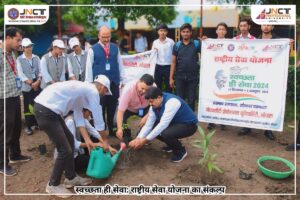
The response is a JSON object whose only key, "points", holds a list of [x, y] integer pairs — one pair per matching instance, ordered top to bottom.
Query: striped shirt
{"points": [[9, 76]]}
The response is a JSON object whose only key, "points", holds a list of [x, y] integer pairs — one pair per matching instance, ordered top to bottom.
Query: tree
{"points": [[154, 15]]}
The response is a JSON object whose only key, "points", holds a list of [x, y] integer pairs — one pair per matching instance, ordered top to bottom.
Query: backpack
{"points": [[178, 44]]}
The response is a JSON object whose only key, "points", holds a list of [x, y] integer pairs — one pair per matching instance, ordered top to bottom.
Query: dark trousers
{"points": [[161, 75], [187, 89], [28, 99], [109, 106], [128, 114], [13, 126], [57, 131], [174, 132], [81, 162]]}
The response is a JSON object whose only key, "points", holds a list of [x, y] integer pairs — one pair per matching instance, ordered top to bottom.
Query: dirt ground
{"points": [[151, 166]]}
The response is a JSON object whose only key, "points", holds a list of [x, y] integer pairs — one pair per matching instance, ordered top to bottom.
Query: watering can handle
{"points": [[92, 159]]}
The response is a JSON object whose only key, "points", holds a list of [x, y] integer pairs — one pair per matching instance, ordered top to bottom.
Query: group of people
{"points": [[95, 90]]}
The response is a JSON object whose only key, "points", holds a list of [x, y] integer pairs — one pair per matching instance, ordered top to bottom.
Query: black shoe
{"points": [[211, 126], [222, 127], [28, 130], [244, 131], [269, 134], [292, 147], [167, 149], [180, 156], [20, 158], [9, 171]]}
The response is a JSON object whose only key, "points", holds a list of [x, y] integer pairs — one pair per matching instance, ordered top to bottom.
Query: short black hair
{"points": [[245, 20], [222, 24], [186, 25], [162, 26], [12, 31], [147, 79], [153, 93], [85, 109]]}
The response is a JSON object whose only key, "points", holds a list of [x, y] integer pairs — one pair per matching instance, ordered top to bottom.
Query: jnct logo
{"points": [[33, 12], [13, 13], [275, 13], [215, 47], [272, 48]]}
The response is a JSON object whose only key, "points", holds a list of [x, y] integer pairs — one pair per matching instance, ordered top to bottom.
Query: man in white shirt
{"points": [[164, 47], [56, 101], [170, 119]]}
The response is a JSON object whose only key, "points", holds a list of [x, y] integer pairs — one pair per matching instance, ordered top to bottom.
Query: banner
{"points": [[135, 66], [243, 82]]}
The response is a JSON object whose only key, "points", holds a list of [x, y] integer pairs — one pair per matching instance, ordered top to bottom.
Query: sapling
{"points": [[208, 159]]}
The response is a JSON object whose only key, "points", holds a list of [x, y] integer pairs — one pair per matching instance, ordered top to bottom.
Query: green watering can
{"points": [[101, 163]]}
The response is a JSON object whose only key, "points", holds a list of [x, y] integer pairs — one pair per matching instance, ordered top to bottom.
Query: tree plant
{"points": [[208, 159]]}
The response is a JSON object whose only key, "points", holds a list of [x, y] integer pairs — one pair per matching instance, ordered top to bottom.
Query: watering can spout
{"points": [[116, 157]]}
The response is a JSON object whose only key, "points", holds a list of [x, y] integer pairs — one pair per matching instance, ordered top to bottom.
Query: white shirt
{"points": [[140, 44], [164, 51], [78, 58], [90, 62], [20, 69], [44, 71], [62, 97], [171, 108], [72, 127]]}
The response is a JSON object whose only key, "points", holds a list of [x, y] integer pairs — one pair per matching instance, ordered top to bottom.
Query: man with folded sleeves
{"points": [[56, 101], [170, 119]]}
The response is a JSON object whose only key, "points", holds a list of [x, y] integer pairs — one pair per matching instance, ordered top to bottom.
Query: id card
{"points": [[107, 66], [33, 76], [18, 83], [141, 112]]}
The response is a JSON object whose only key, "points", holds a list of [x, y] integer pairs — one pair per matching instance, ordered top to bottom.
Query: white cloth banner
{"points": [[135, 66], [243, 82]]}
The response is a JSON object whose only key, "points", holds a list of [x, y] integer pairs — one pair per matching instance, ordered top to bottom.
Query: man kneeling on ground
{"points": [[174, 119]]}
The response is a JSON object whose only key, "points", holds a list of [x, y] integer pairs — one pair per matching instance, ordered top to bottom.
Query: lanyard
{"points": [[106, 50], [55, 60], [78, 60], [11, 64], [139, 97]]}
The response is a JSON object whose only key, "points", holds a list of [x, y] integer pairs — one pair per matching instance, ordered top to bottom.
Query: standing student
{"points": [[244, 27], [221, 32], [140, 43], [164, 47], [76, 60], [53, 64], [28, 66], [185, 67], [10, 94], [58, 100]]}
